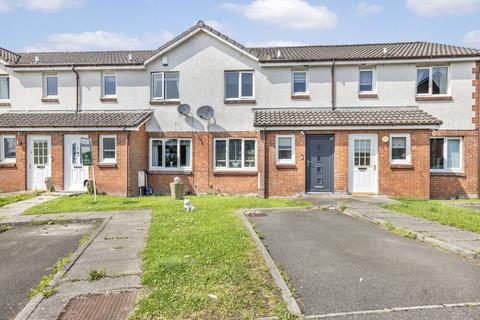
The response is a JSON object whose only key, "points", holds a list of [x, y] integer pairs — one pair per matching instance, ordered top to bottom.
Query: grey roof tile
{"points": [[312, 53], [365, 116], [109, 119]]}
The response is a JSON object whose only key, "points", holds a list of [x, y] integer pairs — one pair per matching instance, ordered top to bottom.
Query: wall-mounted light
{"points": [[165, 61]]}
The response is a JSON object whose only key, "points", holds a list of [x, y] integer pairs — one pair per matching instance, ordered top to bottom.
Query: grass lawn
{"points": [[16, 197], [435, 210], [189, 256]]}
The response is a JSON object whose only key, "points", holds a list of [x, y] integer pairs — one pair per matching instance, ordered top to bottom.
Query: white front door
{"points": [[39, 161], [363, 163], [75, 172]]}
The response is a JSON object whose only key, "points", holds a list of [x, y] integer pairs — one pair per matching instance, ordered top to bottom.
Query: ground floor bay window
{"points": [[235, 153], [170, 154], [446, 154]]}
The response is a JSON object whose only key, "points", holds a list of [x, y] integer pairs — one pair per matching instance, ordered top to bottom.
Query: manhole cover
{"points": [[99, 307]]}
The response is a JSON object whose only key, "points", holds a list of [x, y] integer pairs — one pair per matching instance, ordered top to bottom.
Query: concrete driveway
{"points": [[26, 254], [338, 263]]}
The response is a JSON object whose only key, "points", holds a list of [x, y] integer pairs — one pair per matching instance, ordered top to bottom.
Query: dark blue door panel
{"points": [[319, 170]]}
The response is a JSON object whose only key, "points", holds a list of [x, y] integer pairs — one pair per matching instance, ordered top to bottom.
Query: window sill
{"points": [[367, 96], [300, 97], [433, 98], [108, 99], [50, 100], [240, 101], [164, 102], [4, 103], [8, 164], [107, 165], [286, 166], [401, 166], [170, 172], [235, 172], [448, 173]]}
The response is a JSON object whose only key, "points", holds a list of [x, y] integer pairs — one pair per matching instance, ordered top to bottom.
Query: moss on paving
{"points": [[197, 265]]}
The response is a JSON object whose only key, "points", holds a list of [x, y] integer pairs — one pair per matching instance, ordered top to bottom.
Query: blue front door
{"points": [[319, 170]]}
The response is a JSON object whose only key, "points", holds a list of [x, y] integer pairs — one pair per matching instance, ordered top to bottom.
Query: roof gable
{"points": [[202, 27]]}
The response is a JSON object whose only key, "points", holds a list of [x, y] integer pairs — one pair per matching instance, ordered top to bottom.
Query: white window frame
{"points": [[109, 74], [8, 77], [374, 80], [430, 81], [307, 82], [45, 84], [164, 85], [240, 97], [408, 146], [2, 151], [445, 153], [277, 158], [102, 160], [163, 168], [227, 168]]}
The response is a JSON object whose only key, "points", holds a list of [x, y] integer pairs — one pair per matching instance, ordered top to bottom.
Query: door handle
{"points": [[308, 163]]}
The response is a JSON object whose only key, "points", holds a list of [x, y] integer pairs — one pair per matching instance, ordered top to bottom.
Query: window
{"points": [[432, 80], [300, 82], [366, 83], [51, 85], [109, 85], [165, 85], [239, 85], [4, 87], [8, 149], [108, 149], [285, 149], [400, 149], [235, 153], [170, 154], [446, 154]]}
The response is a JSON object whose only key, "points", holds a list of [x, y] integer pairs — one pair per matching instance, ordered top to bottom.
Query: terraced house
{"points": [[393, 118]]}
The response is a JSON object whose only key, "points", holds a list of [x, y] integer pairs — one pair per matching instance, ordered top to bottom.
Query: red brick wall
{"points": [[137, 158], [13, 177], [203, 179], [412, 181], [458, 185]]}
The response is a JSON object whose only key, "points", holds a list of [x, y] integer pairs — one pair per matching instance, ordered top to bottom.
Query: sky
{"points": [[76, 25]]}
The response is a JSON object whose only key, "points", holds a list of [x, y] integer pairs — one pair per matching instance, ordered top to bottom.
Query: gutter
{"points": [[77, 78]]}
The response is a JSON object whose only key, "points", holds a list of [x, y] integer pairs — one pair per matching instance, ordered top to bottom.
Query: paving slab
{"points": [[17, 208], [454, 235], [119, 257]]}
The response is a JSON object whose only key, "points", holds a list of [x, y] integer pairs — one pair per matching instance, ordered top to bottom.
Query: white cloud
{"points": [[48, 6], [368, 8], [431, 8], [293, 14], [472, 38], [99, 40], [275, 43]]}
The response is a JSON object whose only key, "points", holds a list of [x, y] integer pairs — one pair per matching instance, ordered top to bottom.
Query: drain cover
{"points": [[105, 307]]}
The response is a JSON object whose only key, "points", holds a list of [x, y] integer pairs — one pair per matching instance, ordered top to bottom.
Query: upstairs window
{"points": [[432, 81], [299, 82], [366, 83], [51, 85], [109, 85], [165, 85], [239, 85], [4, 87], [8, 149], [108, 149], [400, 149], [235, 153], [170, 154], [446, 154]]}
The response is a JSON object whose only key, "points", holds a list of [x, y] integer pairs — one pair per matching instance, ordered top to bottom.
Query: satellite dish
{"points": [[183, 109], [205, 112]]}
